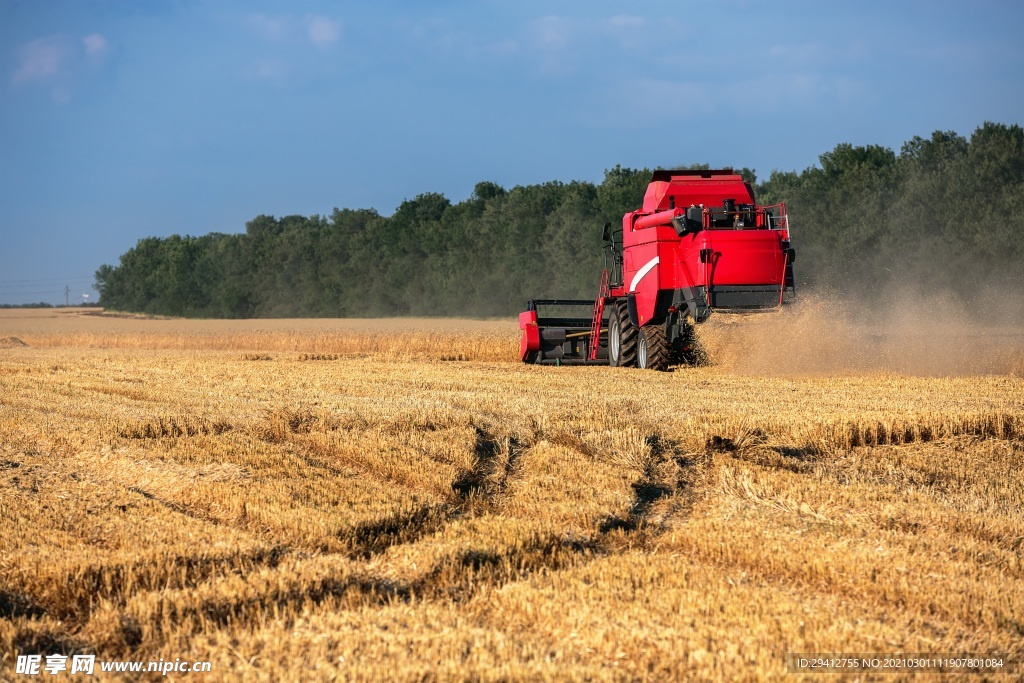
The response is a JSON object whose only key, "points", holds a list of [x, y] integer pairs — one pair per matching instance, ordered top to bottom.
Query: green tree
{"points": [[946, 211]]}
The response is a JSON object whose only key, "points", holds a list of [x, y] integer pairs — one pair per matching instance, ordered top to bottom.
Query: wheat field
{"points": [[402, 500]]}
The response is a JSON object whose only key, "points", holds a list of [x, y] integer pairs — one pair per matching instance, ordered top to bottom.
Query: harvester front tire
{"points": [[622, 337], [652, 348]]}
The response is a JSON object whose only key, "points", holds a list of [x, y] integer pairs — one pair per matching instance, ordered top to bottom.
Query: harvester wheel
{"points": [[622, 336], [652, 348]]}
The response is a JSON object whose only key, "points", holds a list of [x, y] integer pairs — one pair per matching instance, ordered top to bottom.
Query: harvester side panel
{"points": [[739, 257]]}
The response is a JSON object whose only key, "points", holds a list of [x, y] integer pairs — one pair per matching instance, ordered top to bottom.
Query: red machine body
{"points": [[699, 243], [737, 256]]}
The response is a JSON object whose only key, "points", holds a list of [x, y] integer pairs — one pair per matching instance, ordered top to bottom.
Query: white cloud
{"points": [[625, 21], [271, 28], [427, 28], [323, 32], [552, 32], [442, 36], [554, 39], [95, 44], [565, 44], [501, 48], [819, 53], [40, 60], [60, 63], [271, 70], [785, 92], [61, 94], [672, 99], [660, 100], [679, 100]]}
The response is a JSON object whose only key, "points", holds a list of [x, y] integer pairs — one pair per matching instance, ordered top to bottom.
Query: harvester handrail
{"points": [[710, 214], [779, 222]]}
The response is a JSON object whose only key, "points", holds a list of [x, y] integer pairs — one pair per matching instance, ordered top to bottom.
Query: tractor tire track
{"points": [[495, 461], [667, 472], [473, 492], [178, 508], [365, 540], [455, 578], [71, 602]]}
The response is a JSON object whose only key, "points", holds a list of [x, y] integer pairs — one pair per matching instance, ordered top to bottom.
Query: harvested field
{"points": [[392, 337], [400, 500]]}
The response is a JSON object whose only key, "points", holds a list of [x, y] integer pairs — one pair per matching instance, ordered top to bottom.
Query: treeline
{"points": [[945, 213], [44, 304]]}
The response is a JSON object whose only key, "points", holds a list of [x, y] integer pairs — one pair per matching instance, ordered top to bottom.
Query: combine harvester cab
{"points": [[700, 243]]}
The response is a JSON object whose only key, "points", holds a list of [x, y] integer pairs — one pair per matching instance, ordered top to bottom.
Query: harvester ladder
{"points": [[595, 324]]}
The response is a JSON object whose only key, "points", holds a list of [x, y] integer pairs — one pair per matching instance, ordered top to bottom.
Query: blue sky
{"points": [[120, 120]]}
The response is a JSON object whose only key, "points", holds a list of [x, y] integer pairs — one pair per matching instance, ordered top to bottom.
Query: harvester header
{"points": [[699, 243]]}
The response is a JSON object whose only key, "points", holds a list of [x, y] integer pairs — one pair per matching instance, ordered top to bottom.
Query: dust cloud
{"points": [[908, 334]]}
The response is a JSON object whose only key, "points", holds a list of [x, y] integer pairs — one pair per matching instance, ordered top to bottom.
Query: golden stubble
{"points": [[315, 513]]}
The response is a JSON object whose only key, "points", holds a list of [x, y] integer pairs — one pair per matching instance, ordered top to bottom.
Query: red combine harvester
{"points": [[700, 243]]}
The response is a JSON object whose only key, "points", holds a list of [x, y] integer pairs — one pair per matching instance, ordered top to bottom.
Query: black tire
{"points": [[622, 336], [652, 348]]}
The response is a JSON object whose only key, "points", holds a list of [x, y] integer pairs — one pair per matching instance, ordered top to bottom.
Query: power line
{"points": [[49, 279], [76, 283], [49, 291]]}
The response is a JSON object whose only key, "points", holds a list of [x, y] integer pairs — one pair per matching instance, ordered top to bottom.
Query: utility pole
{"points": [[65, 295]]}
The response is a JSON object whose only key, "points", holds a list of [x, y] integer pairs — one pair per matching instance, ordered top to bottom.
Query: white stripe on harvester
{"points": [[648, 267]]}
